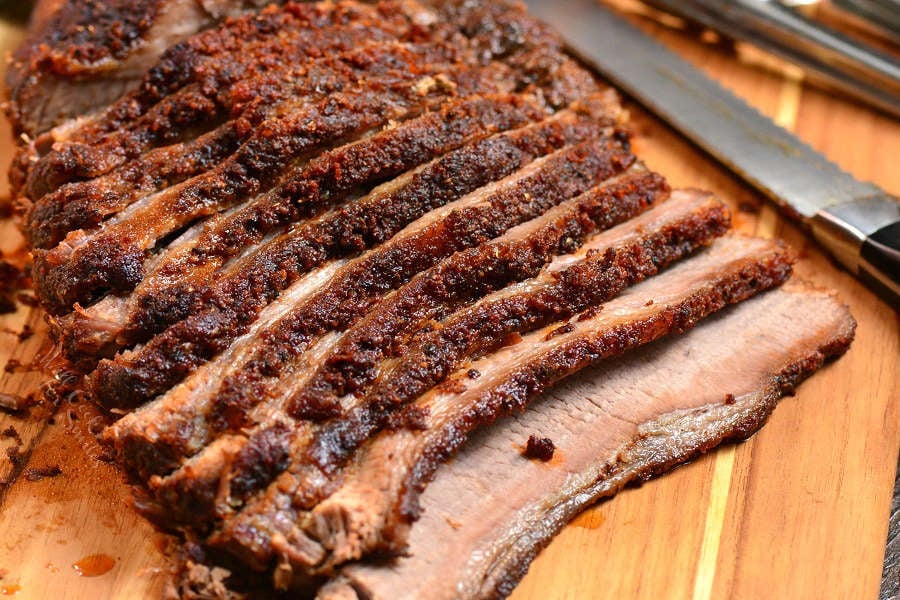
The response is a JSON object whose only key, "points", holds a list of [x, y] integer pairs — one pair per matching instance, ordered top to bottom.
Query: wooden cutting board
{"points": [[799, 511]]}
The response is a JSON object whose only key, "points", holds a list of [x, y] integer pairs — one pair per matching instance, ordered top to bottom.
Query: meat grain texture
{"points": [[314, 250]]}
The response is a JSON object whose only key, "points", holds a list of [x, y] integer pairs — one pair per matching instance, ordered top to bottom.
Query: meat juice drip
{"points": [[49, 359], [589, 519], [94, 565], [10, 589]]}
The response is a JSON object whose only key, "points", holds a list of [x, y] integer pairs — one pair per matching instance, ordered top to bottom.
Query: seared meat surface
{"points": [[311, 251]]}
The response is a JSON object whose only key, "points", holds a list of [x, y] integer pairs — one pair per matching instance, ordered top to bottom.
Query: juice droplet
{"points": [[590, 519], [94, 565], [10, 589]]}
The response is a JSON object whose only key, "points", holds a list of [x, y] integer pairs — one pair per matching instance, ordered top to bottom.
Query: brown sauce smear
{"points": [[94, 565]]}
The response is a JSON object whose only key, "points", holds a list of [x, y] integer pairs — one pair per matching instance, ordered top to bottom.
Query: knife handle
{"points": [[864, 236], [880, 264]]}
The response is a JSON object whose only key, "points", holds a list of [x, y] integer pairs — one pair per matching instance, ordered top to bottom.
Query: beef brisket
{"points": [[371, 220], [471, 220], [319, 245], [355, 286], [488, 513]]}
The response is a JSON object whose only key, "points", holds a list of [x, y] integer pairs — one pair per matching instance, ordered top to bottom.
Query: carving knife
{"points": [[857, 222]]}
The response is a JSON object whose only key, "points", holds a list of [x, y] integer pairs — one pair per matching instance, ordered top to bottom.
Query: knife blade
{"points": [[857, 222]]}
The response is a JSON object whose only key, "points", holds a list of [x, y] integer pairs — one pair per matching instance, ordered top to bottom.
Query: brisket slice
{"points": [[83, 204], [482, 215], [358, 225], [88, 264], [190, 277], [260, 442], [378, 500], [489, 512]]}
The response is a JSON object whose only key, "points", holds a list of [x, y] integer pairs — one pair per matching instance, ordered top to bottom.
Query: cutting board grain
{"points": [[799, 511]]}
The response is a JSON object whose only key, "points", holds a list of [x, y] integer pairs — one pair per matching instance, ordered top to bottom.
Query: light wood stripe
{"points": [[715, 519]]}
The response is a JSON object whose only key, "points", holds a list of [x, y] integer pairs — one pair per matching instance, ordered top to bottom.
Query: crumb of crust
{"points": [[28, 299], [26, 333], [473, 373], [729, 399], [15, 403], [11, 433], [539, 448], [14, 455], [38, 473], [454, 524]]}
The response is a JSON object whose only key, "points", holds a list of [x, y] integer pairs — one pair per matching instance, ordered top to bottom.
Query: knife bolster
{"points": [[864, 236]]}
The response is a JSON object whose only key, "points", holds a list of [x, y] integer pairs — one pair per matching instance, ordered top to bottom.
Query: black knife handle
{"points": [[864, 236], [880, 265]]}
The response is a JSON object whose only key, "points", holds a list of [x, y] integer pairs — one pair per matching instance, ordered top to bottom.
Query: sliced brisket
{"points": [[482, 215], [369, 221], [324, 243], [90, 263], [181, 281], [197, 492], [378, 500], [489, 512]]}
